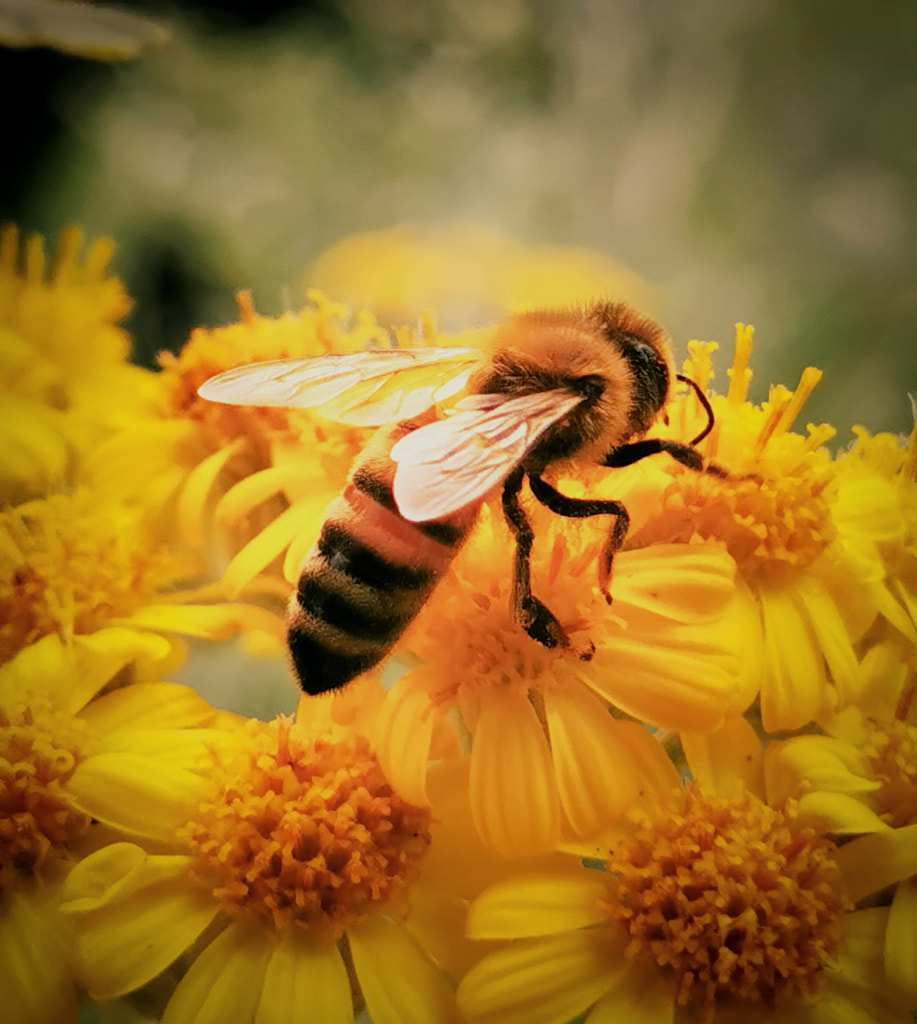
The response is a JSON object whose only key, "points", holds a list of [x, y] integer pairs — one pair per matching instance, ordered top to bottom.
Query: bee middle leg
{"points": [[583, 508], [534, 617]]}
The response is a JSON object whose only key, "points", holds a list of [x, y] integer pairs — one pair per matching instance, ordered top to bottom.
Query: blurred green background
{"points": [[755, 161]]}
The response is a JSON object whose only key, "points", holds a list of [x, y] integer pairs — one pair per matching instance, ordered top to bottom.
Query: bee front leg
{"points": [[684, 454], [583, 508], [534, 617]]}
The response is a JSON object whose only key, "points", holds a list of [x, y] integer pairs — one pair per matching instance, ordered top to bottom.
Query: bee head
{"points": [[644, 346]]}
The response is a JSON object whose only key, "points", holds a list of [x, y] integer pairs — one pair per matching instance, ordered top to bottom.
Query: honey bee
{"points": [[546, 387]]}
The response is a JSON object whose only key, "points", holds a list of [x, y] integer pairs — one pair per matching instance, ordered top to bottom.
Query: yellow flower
{"points": [[468, 272], [65, 382], [273, 470], [875, 509], [776, 513], [70, 564], [546, 757], [74, 767], [861, 778], [299, 881], [713, 906]]}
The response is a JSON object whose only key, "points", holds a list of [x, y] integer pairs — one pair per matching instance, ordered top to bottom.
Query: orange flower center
{"points": [[772, 512], [40, 747], [894, 758], [307, 832], [736, 900]]}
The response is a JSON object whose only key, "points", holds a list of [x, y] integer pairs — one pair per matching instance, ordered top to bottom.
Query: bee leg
{"points": [[628, 454], [583, 508], [534, 617]]}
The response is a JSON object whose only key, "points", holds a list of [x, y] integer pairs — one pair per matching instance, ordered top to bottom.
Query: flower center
{"points": [[772, 513], [73, 566], [40, 747], [894, 758], [307, 832], [736, 899]]}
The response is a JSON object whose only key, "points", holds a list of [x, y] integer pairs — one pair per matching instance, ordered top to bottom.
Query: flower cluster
{"points": [[700, 808]]}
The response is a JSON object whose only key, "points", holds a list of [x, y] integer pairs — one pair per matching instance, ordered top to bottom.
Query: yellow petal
{"points": [[249, 492], [192, 502], [262, 549], [686, 583], [211, 622], [831, 634], [670, 683], [793, 691], [149, 705], [402, 738], [727, 759], [816, 762], [658, 776], [596, 777], [138, 795], [513, 795], [840, 813], [874, 861], [543, 904], [133, 914], [437, 923], [901, 940], [35, 970], [305, 980], [547, 980], [225, 983], [400, 984], [638, 995]]}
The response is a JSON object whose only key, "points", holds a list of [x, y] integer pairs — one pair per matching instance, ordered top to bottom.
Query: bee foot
{"points": [[541, 625], [586, 654]]}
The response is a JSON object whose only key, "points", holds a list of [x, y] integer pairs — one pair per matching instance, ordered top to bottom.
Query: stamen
{"points": [[740, 375]]}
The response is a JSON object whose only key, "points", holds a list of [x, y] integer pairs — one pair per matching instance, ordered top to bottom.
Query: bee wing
{"points": [[365, 389], [446, 465]]}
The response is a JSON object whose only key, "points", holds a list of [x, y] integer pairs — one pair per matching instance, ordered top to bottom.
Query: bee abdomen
{"points": [[367, 577]]}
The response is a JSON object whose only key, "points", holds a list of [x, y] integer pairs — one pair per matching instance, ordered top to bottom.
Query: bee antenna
{"points": [[705, 402]]}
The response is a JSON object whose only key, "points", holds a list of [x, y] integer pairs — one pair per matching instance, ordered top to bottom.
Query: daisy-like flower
{"points": [[65, 380], [273, 470], [875, 508], [775, 512], [70, 564], [547, 759], [73, 767], [861, 778], [300, 884], [713, 906]]}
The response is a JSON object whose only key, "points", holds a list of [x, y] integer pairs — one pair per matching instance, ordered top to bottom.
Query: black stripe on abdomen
{"points": [[381, 492], [351, 605]]}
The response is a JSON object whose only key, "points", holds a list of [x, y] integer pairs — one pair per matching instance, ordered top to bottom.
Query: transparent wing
{"points": [[365, 389], [447, 465]]}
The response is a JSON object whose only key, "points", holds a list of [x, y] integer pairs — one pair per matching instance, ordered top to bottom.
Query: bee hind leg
{"points": [[583, 508], [535, 617]]}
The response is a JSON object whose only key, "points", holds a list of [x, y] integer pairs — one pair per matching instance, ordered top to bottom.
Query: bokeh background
{"points": [[753, 161]]}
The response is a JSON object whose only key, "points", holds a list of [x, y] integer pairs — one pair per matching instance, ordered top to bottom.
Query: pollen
{"points": [[772, 508], [67, 567], [40, 748], [893, 751], [307, 832], [735, 900]]}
